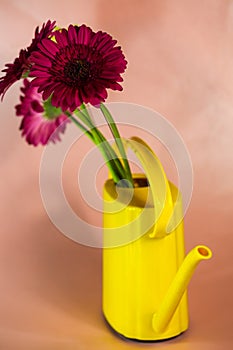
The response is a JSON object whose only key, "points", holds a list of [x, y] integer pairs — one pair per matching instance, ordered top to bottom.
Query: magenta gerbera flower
{"points": [[21, 65], [78, 68], [14, 71], [42, 122]]}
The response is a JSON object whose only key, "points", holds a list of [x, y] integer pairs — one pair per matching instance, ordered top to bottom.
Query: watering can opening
{"points": [[138, 196], [204, 252]]}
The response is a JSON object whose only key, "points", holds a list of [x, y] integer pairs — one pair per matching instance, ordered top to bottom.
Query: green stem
{"points": [[84, 110], [84, 118], [85, 131], [117, 137], [99, 140], [103, 144]]}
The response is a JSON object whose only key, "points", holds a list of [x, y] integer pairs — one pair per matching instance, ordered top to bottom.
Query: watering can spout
{"points": [[177, 288]]}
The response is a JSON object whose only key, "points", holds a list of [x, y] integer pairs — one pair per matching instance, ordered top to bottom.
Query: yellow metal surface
{"points": [[145, 279]]}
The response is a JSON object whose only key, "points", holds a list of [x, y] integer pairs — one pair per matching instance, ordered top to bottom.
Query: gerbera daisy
{"points": [[21, 65], [78, 67], [14, 71], [42, 122]]}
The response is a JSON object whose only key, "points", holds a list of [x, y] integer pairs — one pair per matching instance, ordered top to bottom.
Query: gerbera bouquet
{"points": [[64, 70]]}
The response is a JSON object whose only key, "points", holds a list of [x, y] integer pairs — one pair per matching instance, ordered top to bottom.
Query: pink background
{"points": [[180, 56]]}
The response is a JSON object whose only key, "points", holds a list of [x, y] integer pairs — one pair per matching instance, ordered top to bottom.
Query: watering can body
{"points": [[137, 275]]}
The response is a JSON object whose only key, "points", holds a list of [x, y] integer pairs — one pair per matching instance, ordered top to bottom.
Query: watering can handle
{"points": [[161, 193]]}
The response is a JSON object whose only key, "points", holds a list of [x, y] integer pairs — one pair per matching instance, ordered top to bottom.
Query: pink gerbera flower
{"points": [[21, 65], [78, 67], [42, 122]]}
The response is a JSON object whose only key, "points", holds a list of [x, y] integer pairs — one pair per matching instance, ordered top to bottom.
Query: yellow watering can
{"points": [[145, 271]]}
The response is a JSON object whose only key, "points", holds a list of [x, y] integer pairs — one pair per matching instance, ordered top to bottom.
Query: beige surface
{"points": [[180, 57]]}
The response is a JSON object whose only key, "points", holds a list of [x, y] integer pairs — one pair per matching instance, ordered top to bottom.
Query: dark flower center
{"points": [[77, 71]]}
